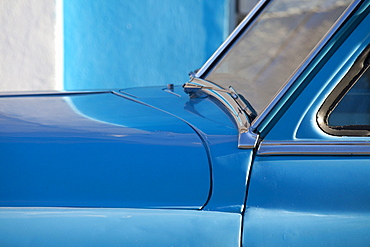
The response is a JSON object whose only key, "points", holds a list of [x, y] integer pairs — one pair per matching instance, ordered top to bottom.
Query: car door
{"points": [[310, 180]]}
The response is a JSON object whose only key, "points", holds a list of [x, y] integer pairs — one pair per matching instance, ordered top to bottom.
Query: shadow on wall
{"points": [[121, 44]]}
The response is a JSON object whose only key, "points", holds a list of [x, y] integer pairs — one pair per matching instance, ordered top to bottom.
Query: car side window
{"points": [[354, 108], [346, 111]]}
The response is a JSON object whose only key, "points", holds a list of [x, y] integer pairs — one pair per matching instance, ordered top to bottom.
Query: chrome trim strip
{"points": [[231, 38], [171, 92], [259, 119], [247, 140], [314, 148]]}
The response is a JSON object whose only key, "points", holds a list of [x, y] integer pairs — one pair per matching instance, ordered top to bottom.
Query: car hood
{"points": [[99, 150]]}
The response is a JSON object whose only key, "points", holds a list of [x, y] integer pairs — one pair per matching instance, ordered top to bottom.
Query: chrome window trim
{"points": [[239, 30], [317, 49], [340, 91], [314, 148]]}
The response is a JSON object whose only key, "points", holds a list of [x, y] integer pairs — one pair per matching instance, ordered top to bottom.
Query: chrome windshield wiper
{"points": [[191, 88], [195, 91], [244, 104]]}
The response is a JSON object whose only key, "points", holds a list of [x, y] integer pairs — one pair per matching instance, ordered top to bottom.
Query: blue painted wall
{"points": [[120, 43]]}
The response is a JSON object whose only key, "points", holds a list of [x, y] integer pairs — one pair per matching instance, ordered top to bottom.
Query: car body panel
{"points": [[53, 129], [59, 149], [230, 165], [311, 184], [308, 201], [117, 227], [273, 227]]}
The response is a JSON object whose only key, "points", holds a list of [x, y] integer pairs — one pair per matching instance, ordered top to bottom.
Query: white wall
{"points": [[27, 45]]}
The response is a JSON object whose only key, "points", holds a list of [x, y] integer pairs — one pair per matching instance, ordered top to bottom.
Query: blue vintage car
{"points": [[268, 144]]}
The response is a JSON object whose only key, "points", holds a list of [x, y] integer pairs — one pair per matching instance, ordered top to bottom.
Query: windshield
{"points": [[264, 58]]}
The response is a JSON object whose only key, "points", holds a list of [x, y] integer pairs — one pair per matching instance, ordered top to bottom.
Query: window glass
{"points": [[264, 58], [354, 108]]}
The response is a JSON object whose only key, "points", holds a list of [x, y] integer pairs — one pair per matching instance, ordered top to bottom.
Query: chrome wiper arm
{"points": [[189, 88], [194, 91], [244, 104]]}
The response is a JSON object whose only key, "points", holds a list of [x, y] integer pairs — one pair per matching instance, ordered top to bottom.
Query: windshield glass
{"points": [[264, 58]]}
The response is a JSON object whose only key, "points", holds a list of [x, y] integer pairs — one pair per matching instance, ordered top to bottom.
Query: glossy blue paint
{"points": [[81, 133], [98, 150], [230, 165], [311, 184], [117, 227], [270, 227]]}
